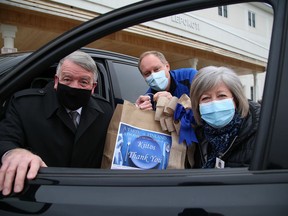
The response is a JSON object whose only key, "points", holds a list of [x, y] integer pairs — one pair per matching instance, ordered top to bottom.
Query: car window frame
{"points": [[145, 11]]}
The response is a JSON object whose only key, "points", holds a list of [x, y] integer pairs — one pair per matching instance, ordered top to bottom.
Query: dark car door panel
{"points": [[220, 192]]}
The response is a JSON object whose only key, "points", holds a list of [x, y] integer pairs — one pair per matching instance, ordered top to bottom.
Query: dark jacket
{"points": [[36, 121], [240, 152]]}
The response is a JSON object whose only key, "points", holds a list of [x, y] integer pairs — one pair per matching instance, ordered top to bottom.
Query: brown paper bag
{"points": [[129, 114], [111, 137], [177, 153]]}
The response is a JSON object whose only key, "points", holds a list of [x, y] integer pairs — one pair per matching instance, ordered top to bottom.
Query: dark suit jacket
{"points": [[36, 121]]}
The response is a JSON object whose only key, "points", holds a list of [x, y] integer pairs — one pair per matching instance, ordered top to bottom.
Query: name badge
{"points": [[219, 163]]}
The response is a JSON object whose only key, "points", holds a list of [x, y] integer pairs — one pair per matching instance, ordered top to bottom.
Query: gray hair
{"points": [[155, 53], [81, 59], [207, 78]]}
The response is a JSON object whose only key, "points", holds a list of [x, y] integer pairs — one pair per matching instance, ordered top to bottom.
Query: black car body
{"points": [[115, 74], [261, 189]]}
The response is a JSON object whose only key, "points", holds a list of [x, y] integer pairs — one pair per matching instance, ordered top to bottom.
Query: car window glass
{"points": [[214, 36], [236, 36], [128, 78]]}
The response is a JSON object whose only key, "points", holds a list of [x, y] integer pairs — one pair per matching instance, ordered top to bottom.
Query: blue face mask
{"points": [[157, 80], [217, 113]]}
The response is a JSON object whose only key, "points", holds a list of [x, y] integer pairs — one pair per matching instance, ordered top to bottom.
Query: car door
{"points": [[261, 189]]}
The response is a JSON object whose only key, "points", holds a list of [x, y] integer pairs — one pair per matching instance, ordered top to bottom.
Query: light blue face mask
{"points": [[157, 80], [217, 113]]}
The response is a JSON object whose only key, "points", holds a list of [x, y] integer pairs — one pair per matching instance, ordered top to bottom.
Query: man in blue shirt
{"points": [[155, 69]]}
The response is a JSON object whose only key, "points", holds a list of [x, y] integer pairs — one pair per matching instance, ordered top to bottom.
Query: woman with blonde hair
{"points": [[226, 121]]}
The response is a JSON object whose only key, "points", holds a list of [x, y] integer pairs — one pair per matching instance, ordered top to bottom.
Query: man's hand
{"points": [[162, 94], [144, 102], [18, 164]]}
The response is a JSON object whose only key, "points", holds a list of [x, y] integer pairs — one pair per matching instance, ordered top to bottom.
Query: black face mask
{"points": [[72, 98]]}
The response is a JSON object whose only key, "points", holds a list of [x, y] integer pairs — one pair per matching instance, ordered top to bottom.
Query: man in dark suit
{"points": [[39, 129]]}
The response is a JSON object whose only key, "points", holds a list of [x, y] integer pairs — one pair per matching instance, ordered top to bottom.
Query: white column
{"points": [[8, 35], [193, 62], [255, 89]]}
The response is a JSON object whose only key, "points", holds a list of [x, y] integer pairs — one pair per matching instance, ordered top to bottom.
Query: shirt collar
{"points": [[78, 110]]}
